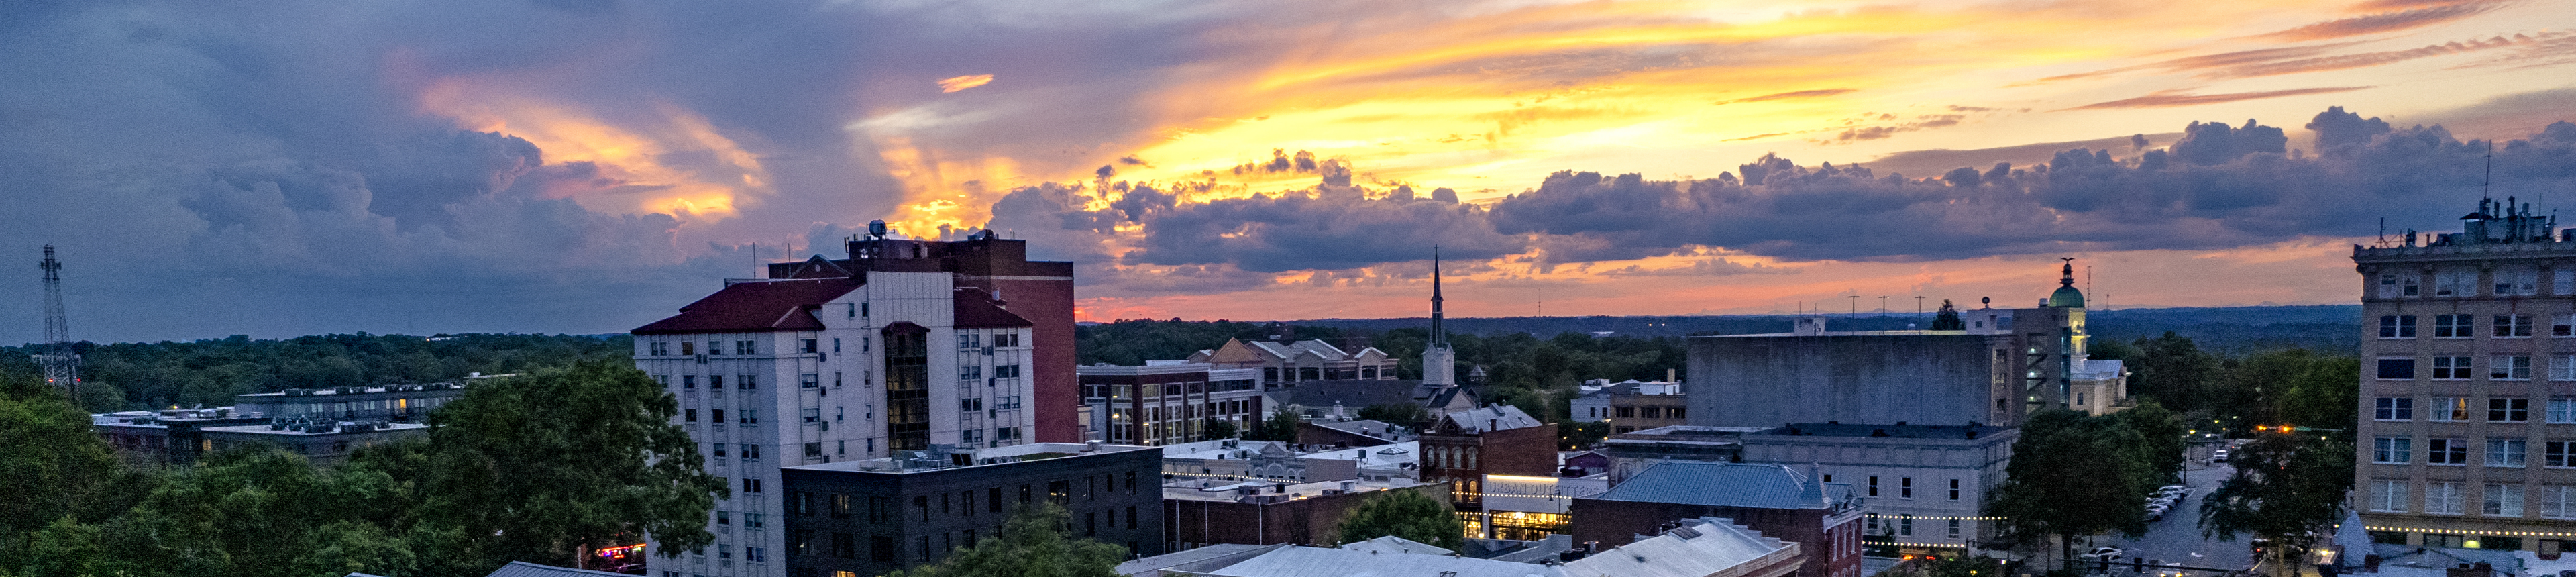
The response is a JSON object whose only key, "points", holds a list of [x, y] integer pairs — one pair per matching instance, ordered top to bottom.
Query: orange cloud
{"points": [[964, 82], [2172, 98], [631, 155]]}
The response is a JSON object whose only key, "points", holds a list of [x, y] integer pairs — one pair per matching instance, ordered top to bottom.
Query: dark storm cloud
{"points": [[279, 167], [2220, 186]]}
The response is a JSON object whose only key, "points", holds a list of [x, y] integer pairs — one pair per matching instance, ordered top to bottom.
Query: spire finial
{"points": [[2066, 276], [1439, 333]]}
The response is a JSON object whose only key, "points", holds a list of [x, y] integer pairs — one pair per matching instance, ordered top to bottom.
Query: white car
{"points": [[2219, 456], [2103, 553]]}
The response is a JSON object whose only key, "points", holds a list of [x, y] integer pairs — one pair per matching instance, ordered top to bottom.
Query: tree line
{"points": [[210, 371]]}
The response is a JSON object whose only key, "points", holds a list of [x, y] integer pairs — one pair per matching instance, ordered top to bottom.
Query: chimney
{"points": [[1672, 375]]}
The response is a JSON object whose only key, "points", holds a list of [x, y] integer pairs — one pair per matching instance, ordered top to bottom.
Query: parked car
{"points": [[2220, 456], [2103, 552]]}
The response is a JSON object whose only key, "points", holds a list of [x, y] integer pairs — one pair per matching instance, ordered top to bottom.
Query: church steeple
{"points": [[1439, 333]]}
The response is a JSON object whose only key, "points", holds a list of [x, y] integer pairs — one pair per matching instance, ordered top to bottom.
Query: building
{"points": [[907, 345], [1439, 360], [1287, 363], [1996, 367], [1166, 402], [397, 403], [1636, 406], [1352, 433], [2467, 434], [180, 436], [1463, 447], [1626, 454], [1382, 463], [1923, 486], [1777, 500], [1519, 508], [1200, 511], [870, 517], [1705, 547]]}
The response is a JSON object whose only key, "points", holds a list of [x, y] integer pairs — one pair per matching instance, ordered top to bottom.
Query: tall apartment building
{"points": [[906, 345], [2467, 433]]}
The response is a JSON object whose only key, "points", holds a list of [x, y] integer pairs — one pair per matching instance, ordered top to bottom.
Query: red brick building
{"points": [[1465, 446], [1779, 501]]}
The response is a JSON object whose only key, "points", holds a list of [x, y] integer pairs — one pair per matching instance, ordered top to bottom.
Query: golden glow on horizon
{"points": [[633, 177]]}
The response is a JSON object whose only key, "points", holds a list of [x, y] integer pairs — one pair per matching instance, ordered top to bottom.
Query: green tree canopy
{"points": [[1406, 414], [1281, 427], [55, 466], [2073, 475], [2285, 485], [1405, 514], [1033, 543]]}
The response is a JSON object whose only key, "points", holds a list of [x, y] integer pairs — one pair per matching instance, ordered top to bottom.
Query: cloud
{"points": [[2386, 21], [2381, 58], [957, 83], [1819, 93], [2180, 97], [1700, 267]]}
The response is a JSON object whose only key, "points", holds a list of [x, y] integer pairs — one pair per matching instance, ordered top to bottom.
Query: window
{"points": [[2562, 281], [2517, 282], [2455, 283], [2393, 285], [2563, 325], [2397, 326], [2451, 326], [2513, 326], [1006, 340], [808, 346], [688, 347], [715, 347], [742, 347], [659, 348], [2397, 368], [2450, 368], [2509, 368], [2562, 368], [1006, 371], [970, 373], [688, 381], [809, 381], [716, 382], [750, 382], [2394, 409], [2447, 409], [2508, 410], [2562, 411], [1623, 412], [688, 415], [813, 415], [751, 416], [720, 449], [814, 449], [2392, 450], [750, 452], [2447, 452], [2505, 452], [2558, 454], [750, 485], [1873, 485], [1905, 487], [1954, 492], [2388, 495], [2442, 498], [2501, 500], [2558, 502], [801, 503], [1131, 516], [724, 517], [1905, 525], [1954, 528], [802, 543], [881, 549], [755, 555]]}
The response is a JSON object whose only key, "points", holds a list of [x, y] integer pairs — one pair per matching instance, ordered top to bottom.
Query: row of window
{"points": [[2515, 281], [2461, 326], [967, 340], [714, 347], [2460, 367], [972, 373], [2561, 411], [1648, 412], [746, 416], [2500, 452], [1904, 487], [2449, 498], [961, 503], [1899, 526], [881, 548]]}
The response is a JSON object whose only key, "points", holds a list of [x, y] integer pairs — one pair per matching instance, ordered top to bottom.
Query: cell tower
{"points": [[60, 363]]}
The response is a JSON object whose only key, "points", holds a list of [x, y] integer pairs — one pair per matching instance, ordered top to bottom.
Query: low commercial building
{"points": [[1283, 363], [1164, 402], [397, 403], [1638, 406], [1352, 433], [181, 436], [1463, 447], [1628, 453], [1924, 486], [1779, 501], [1519, 508], [1204, 511], [874, 516]]}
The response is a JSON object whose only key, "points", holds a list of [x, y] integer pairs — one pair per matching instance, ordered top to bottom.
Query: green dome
{"points": [[2066, 297]]}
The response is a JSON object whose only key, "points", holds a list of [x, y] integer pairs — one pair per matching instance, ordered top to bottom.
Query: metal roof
{"points": [[1721, 484], [1702, 547], [1321, 562], [526, 569]]}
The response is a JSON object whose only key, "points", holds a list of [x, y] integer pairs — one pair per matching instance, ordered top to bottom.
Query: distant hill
{"points": [[2230, 330]]}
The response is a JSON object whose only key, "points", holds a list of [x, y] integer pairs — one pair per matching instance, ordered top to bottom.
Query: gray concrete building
{"points": [[2467, 429], [1924, 485], [870, 517]]}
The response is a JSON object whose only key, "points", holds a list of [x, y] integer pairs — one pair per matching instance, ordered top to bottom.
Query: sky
{"points": [[587, 166]]}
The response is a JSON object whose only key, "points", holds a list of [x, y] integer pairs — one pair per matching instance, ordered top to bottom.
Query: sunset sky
{"points": [[585, 166]]}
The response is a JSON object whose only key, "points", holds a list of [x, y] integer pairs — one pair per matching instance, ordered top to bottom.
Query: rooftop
{"points": [[755, 306], [1488, 418], [1900, 431], [1685, 435], [940, 458], [1723, 485], [1257, 490], [1704, 546]]}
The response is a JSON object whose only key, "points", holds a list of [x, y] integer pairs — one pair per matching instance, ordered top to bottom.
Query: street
{"points": [[2176, 538]]}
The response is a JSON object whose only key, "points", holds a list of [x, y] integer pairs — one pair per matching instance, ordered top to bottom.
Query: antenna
{"points": [[2487, 188], [61, 364]]}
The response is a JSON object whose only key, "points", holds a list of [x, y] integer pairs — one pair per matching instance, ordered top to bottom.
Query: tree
{"points": [[2172, 370], [2323, 396], [1281, 427], [1216, 429], [1576, 436], [2163, 437], [55, 465], [547, 466], [2074, 475], [2285, 485], [252, 512], [1405, 514], [1033, 543]]}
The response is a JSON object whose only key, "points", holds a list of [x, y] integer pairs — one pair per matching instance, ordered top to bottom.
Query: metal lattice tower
{"points": [[60, 363]]}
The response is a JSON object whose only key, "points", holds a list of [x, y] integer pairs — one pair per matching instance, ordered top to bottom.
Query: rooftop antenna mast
{"points": [[59, 362]]}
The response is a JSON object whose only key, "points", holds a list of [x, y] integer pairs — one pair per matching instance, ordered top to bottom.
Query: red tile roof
{"points": [[752, 307], [976, 310]]}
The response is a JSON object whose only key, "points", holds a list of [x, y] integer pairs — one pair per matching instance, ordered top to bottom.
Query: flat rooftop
{"points": [[1892, 431], [943, 461], [1225, 490]]}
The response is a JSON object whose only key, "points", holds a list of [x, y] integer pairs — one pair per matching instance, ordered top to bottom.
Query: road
{"points": [[2176, 538]]}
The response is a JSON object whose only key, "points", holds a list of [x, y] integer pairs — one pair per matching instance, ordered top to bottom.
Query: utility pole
{"points": [[1882, 305], [1918, 305], [1855, 306], [59, 362]]}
